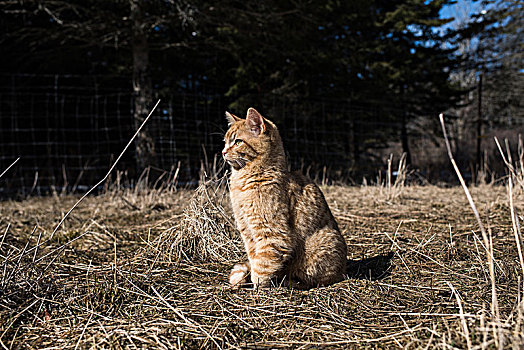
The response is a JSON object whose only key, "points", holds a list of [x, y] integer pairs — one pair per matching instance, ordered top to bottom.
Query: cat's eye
{"points": [[238, 142]]}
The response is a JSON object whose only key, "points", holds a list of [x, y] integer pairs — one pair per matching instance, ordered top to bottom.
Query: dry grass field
{"points": [[148, 269]]}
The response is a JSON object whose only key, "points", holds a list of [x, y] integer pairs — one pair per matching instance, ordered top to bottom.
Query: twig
{"points": [[508, 162], [9, 167], [108, 173], [462, 182], [515, 223], [5, 234], [487, 242], [61, 247], [182, 316], [462, 316], [13, 319], [83, 331]]}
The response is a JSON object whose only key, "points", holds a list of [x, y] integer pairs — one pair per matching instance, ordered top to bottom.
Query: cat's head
{"points": [[254, 140]]}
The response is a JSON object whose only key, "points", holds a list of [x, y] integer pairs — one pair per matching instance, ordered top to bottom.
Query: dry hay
{"points": [[205, 233], [125, 282]]}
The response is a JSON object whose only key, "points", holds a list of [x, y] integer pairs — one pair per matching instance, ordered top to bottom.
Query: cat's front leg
{"points": [[268, 265], [260, 280]]}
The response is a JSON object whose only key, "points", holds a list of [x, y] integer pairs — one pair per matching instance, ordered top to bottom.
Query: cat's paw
{"points": [[238, 275]]}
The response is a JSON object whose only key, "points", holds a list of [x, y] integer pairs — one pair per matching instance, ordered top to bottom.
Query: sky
{"points": [[460, 11]]}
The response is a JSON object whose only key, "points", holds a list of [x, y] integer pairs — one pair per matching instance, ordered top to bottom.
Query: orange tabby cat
{"points": [[288, 230]]}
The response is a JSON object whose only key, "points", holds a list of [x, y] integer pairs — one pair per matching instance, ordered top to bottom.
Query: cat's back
{"points": [[309, 206]]}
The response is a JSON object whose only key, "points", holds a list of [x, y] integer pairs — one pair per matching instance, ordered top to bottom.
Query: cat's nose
{"points": [[224, 152]]}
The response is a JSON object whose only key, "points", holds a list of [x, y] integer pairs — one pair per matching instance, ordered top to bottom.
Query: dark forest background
{"points": [[347, 82]]}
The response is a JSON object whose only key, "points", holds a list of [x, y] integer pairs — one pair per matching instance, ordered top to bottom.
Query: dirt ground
{"points": [[148, 269]]}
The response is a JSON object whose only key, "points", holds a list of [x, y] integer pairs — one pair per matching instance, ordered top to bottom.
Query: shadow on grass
{"points": [[375, 268]]}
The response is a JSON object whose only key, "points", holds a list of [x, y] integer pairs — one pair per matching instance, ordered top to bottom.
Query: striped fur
{"points": [[288, 230]]}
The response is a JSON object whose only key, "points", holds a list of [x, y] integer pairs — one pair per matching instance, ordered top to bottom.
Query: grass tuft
{"points": [[206, 233]]}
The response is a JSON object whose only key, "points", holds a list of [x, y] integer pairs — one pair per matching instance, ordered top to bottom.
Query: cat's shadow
{"points": [[374, 268]]}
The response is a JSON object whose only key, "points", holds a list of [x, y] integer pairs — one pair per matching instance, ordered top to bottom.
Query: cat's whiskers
{"points": [[244, 160], [241, 162]]}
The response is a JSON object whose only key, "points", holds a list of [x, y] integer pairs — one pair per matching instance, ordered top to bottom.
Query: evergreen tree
{"points": [[98, 37], [492, 42], [385, 55], [499, 56]]}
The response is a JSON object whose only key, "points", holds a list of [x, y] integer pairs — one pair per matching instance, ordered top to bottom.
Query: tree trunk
{"points": [[142, 87], [355, 134], [404, 139], [478, 158]]}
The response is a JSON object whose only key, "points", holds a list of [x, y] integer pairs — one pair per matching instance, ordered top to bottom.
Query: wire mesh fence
{"points": [[68, 130]]}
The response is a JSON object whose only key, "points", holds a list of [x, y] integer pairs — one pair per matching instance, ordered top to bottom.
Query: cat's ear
{"points": [[231, 118], [255, 122]]}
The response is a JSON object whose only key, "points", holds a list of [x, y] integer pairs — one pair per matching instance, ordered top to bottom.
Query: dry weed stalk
{"points": [[9, 167], [516, 170], [108, 172], [516, 174], [392, 187], [395, 189], [58, 251], [462, 316], [498, 326]]}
